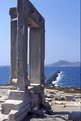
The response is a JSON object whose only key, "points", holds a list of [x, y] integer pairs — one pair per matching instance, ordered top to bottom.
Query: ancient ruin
{"points": [[28, 91], [27, 99]]}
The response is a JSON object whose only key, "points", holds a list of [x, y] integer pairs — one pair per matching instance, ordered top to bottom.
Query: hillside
{"points": [[63, 63]]}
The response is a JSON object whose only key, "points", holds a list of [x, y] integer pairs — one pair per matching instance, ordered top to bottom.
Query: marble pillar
{"points": [[22, 32], [36, 55], [13, 70]]}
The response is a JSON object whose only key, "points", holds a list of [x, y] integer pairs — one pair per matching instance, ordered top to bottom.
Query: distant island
{"points": [[60, 63], [63, 63], [5, 66]]}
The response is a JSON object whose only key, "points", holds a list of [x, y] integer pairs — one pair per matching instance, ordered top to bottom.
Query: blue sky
{"points": [[62, 36]]}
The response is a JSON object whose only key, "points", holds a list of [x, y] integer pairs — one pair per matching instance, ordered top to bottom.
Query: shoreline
{"points": [[65, 89]]}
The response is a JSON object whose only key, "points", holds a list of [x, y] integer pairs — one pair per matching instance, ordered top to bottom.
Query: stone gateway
{"points": [[28, 90]]}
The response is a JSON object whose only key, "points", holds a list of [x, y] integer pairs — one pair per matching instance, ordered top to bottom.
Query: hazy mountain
{"points": [[63, 63]]}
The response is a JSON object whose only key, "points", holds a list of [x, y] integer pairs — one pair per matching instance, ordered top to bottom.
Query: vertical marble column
{"points": [[21, 45], [42, 51], [36, 55], [13, 70]]}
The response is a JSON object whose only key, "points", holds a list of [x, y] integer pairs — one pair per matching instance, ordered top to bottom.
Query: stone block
{"points": [[16, 94], [19, 95], [8, 105], [19, 115]]}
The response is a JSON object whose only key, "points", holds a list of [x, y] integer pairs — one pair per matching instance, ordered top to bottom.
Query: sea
{"points": [[68, 77]]}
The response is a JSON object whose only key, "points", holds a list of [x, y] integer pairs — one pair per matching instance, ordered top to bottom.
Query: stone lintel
{"points": [[33, 10], [13, 12], [34, 17]]}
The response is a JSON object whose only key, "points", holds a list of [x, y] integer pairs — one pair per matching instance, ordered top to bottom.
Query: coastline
{"points": [[68, 76], [65, 89]]}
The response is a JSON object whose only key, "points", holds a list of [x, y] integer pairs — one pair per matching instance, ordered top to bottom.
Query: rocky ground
{"points": [[64, 106]]}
